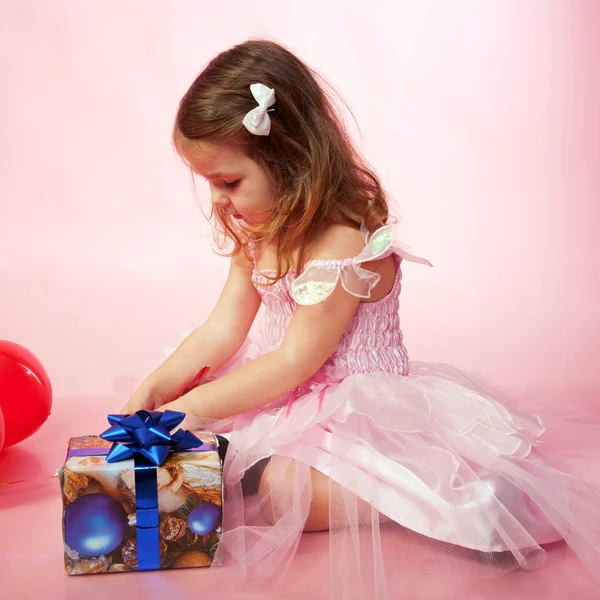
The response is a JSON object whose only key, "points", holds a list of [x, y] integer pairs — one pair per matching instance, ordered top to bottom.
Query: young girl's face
{"points": [[238, 185]]}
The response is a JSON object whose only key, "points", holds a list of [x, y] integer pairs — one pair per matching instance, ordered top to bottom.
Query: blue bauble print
{"points": [[204, 519], [95, 524]]}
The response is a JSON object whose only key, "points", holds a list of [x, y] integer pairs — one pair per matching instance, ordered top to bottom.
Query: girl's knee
{"points": [[279, 488], [276, 489], [264, 496], [318, 516]]}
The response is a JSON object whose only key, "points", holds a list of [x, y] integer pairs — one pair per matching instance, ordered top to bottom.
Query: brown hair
{"points": [[318, 176]]}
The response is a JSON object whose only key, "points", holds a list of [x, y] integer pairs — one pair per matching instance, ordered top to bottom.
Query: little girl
{"points": [[412, 468]]}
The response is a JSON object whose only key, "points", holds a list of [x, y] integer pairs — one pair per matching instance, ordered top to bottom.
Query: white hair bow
{"points": [[257, 121]]}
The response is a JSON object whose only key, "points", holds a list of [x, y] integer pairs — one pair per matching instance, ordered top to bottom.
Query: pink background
{"points": [[481, 118]]}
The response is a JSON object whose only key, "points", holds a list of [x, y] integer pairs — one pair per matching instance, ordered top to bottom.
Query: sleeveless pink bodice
{"points": [[373, 342]]}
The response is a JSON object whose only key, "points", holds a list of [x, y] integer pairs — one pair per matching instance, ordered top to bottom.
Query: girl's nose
{"points": [[218, 198]]}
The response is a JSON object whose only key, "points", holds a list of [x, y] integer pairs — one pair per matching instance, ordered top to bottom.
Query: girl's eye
{"points": [[231, 184]]}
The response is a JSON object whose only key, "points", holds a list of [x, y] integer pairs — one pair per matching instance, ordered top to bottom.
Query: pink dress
{"points": [[415, 451]]}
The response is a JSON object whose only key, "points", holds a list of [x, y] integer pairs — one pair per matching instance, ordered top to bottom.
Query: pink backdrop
{"points": [[481, 118]]}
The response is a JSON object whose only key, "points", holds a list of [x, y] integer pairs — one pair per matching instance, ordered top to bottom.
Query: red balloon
{"points": [[25, 392], [1, 430]]}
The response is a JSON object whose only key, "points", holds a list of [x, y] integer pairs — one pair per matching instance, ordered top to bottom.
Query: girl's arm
{"points": [[312, 335], [213, 343]]}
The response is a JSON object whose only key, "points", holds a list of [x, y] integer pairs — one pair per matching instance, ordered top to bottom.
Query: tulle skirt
{"points": [[429, 475]]}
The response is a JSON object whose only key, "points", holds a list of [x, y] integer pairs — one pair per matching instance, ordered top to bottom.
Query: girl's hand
{"points": [[146, 397], [142, 399], [189, 404]]}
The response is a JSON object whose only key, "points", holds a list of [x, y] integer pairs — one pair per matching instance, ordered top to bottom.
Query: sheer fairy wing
{"points": [[365, 232], [380, 242], [377, 244], [411, 257], [318, 281], [358, 281], [315, 284]]}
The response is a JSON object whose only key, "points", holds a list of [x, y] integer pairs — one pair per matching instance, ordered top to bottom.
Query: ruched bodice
{"points": [[373, 341]]}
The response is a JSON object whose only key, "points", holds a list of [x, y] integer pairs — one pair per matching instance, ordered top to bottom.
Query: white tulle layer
{"points": [[432, 452]]}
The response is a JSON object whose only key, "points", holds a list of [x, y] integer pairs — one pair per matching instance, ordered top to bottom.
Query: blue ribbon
{"points": [[147, 432], [145, 436]]}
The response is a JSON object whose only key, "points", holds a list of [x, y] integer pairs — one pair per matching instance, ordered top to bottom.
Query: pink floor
{"points": [[31, 549]]}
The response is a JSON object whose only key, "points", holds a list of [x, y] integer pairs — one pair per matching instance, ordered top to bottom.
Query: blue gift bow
{"points": [[147, 432], [145, 436]]}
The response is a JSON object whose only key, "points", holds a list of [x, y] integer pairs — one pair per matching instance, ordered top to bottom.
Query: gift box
{"points": [[141, 498]]}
